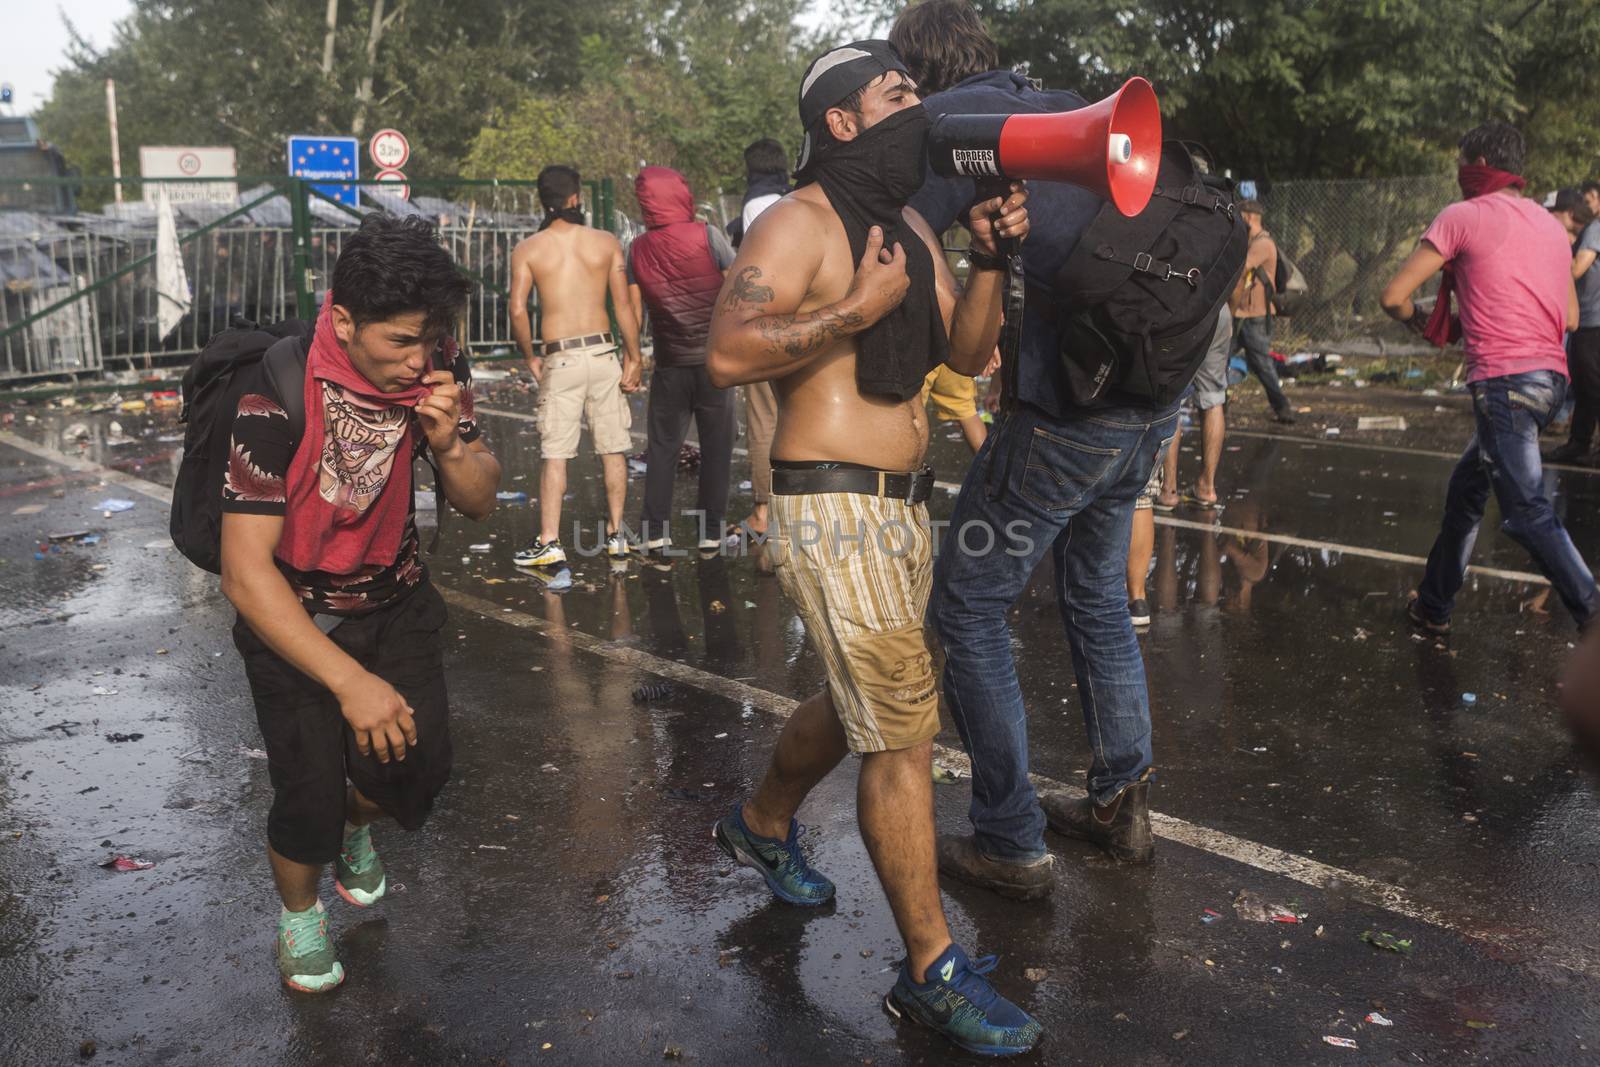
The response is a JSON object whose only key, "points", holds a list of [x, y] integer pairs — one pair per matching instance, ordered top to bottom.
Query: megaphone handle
{"points": [[1010, 249], [1011, 327]]}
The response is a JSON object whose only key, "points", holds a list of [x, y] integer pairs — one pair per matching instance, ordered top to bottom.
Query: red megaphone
{"points": [[1112, 147]]}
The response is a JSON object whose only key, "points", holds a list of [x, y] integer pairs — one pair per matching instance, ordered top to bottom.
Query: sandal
{"points": [[1194, 500]]}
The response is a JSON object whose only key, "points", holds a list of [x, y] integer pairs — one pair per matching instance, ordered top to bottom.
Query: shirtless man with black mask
{"points": [[574, 267], [842, 298]]}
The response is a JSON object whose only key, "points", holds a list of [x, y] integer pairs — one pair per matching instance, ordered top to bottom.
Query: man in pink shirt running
{"points": [[1510, 265]]}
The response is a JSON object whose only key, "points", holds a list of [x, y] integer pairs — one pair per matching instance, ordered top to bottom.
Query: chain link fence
{"points": [[1348, 238], [79, 291]]}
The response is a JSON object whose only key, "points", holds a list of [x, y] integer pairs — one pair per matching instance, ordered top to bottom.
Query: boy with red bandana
{"points": [[338, 625]]}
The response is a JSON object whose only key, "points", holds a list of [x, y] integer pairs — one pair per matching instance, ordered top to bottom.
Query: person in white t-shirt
{"points": [[766, 168]]}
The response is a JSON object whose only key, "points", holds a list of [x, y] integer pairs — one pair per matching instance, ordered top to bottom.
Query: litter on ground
{"points": [[1387, 941]]}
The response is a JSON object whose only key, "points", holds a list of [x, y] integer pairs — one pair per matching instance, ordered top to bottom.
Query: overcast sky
{"points": [[34, 43]]}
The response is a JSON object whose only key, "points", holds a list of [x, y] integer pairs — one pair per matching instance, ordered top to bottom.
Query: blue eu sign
{"points": [[327, 157]]}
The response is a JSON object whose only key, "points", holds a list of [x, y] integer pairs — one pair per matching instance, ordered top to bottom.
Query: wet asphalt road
{"points": [[565, 904]]}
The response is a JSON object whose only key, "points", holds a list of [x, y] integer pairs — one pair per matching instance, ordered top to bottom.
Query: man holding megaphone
{"points": [[842, 298], [1121, 304]]}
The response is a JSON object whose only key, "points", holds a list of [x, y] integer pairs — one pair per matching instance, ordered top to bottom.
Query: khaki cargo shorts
{"points": [[583, 382], [859, 569]]}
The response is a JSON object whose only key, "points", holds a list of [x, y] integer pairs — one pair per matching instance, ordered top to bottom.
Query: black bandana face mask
{"points": [[901, 148], [890, 155], [868, 181], [572, 214]]}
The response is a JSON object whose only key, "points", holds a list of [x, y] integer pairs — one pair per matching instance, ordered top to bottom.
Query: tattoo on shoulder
{"points": [[744, 290]]}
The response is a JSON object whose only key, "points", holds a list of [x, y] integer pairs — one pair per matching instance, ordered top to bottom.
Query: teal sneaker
{"points": [[781, 863], [358, 872], [305, 955], [960, 1003]]}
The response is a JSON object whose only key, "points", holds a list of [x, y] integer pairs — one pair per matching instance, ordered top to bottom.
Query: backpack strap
{"points": [[1145, 263], [1266, 279], [285, 364]]}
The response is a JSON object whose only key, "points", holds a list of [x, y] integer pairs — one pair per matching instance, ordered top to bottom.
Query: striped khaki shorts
{"points": [[859, 568]]}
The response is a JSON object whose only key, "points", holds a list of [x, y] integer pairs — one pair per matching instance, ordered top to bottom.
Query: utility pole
{"points": [[327, 55], [116, 151]]}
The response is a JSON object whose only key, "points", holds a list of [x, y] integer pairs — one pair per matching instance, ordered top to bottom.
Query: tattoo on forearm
{"points": [[744, 289], [798, 336]]}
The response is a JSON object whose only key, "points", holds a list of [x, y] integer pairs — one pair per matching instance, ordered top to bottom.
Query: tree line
{"points": [[1276, 89]]}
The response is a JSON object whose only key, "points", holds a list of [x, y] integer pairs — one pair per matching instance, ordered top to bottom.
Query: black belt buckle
{"points": [[915, 480]]}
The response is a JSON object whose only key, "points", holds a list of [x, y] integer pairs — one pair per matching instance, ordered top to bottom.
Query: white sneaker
{"points": [[539, 554]]}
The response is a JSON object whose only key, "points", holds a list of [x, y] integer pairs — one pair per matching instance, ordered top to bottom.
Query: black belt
{"points": [[550, 348], [913, 488]]}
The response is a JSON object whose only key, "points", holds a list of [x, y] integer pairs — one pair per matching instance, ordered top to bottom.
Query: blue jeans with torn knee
{"points": [[1503, 456], [1067, 487]]}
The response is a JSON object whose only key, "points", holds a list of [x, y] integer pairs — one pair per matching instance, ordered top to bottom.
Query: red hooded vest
{"points": [[674, 268]]}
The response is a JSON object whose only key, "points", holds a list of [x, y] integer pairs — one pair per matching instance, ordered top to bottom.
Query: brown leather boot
{"points": [[1121, 829], [960, 857]]}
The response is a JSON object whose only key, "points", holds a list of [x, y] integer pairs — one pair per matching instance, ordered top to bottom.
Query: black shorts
{"points": [[311, 750]]}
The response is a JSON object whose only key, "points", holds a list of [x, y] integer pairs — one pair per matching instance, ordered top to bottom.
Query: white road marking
{"points": [[1374, 446], [88, 466], [1187, 524], [1351, 550], [1265, 858]]}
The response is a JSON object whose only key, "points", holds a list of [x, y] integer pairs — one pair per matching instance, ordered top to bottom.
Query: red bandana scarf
{"points": [[1475, 180], [349, 484]]}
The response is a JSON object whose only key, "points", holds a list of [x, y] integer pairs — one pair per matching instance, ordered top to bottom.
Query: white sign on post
{"points": [[389, 149], [189, 161], [396, 183]]}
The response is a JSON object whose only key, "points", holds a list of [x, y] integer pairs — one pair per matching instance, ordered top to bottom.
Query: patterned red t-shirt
{"points": [[255, 484]]}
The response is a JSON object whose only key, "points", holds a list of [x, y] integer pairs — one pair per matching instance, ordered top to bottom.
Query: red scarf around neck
{"points": [[1475, 180], [349, 483]]}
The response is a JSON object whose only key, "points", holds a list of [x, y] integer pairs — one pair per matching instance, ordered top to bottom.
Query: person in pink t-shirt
{"points": [[1509, 265]]}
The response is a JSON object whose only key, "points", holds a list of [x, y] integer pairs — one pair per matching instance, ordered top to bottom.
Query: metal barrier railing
{"points": [[78, 293]]}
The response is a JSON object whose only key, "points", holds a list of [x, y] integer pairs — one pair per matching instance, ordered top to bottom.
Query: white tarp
{"points": [[172, 283]]}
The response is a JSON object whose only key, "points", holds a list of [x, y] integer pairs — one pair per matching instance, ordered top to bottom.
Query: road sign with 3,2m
{"points": [[389, 149], [311, 156]]}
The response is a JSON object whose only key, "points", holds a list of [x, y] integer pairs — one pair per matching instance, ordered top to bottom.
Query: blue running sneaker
{"points": [[781, 863], [960, 1003]]}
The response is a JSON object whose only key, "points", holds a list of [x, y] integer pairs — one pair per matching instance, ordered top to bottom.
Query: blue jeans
{"points": [[1255, 337], [1503, 455], [1068, 487]]}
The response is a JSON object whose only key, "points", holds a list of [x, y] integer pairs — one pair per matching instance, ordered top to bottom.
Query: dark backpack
{"points": [[1286, 289], [1138, 299], [211, 389]]}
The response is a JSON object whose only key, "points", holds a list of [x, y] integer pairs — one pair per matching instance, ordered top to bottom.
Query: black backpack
{"points": [[1138, 299], [211, 391]]}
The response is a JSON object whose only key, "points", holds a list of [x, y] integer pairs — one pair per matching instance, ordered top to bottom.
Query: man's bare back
{"points": [[799, 244], [571, 267], [574, 268]]}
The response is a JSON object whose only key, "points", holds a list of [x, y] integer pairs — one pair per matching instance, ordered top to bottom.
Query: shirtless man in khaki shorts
{"points": [[842, 298], [575, 363]]}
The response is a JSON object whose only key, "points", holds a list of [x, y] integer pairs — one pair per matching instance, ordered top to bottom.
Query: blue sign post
{"points": [[327, 157]]}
